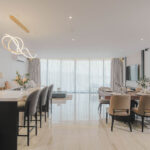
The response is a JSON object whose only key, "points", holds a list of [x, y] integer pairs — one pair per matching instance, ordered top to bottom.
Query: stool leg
{"points": [[51, 106], [48, 109], [45, 114], [40, 116], [24, 121], [36, 123], [28, 131]]}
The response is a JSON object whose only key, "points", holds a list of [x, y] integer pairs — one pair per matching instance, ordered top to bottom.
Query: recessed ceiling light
{"points": [[70, 17], [73, 39], [141, 39]]}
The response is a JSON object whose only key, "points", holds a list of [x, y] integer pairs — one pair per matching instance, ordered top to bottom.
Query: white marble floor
{"points": [[76, 125]]}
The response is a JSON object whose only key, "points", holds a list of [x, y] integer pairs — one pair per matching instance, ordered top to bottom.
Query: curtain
{"points": [[43, 66], [34, 71], [54, 73], [96, 74], [116, 74], [67, 75], [76, 75], [82, 76]]}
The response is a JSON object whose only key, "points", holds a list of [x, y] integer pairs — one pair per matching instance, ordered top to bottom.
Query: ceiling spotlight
{"points": [[70, 17], [73, 39], [141, 39]]}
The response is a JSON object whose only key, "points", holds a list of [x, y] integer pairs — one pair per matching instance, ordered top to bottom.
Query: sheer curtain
{"points": [[54, 73], [107, 73], [96, 74], [68, 75], [76, 75], [82, 76]]}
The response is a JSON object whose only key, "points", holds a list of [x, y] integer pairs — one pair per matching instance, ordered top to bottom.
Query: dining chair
{"points": [[102, 102], [42, 103], [119, 107], [143, 108], [29, 109]]}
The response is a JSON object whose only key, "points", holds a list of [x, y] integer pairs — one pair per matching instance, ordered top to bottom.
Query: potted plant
{"points": [[22, 80]]}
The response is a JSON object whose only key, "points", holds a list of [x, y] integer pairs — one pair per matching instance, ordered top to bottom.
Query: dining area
{"points": [[125, 106], [23, 108]]}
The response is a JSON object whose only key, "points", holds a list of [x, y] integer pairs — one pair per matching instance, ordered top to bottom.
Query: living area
{"points": [[74, 75]]}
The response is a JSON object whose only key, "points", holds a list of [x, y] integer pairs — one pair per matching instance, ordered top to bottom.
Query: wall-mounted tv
{"points": [[132, 73]]}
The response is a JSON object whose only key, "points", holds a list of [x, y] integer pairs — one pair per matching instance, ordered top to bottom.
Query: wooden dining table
{"points": [[107, 94], [9, 116]]}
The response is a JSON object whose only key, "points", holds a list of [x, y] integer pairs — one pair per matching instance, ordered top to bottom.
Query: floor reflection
{"points": [[81, 107]]}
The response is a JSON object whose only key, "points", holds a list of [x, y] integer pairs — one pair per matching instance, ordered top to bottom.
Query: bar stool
{"points": [[49, 98], [42, 103], [29, 109]]}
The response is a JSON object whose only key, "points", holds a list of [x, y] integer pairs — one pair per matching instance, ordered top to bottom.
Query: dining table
{"points": [[106, 94], [9, 116]]}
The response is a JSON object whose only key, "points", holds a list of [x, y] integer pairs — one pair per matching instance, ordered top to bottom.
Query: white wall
{"points": [[132, 60], [9, 66]]}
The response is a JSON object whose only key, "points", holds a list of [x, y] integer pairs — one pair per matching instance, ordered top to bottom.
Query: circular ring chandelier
{"points": [[15, 45]]}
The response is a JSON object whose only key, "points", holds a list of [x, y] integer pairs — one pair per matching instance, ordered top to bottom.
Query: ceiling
{"points": [[100, 28]]}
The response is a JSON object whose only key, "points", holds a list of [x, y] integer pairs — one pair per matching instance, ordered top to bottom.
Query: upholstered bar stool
{"points": [[49, 98], [42, 103], [119, 107], [30, 109], [143, 109]]}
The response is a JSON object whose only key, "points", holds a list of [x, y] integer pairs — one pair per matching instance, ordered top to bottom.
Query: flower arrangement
{"points": [[22, 80], [144, 82]]}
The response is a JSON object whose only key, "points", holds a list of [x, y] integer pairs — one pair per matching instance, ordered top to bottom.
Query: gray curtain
{"points": [[34, 71], [116, 74]]}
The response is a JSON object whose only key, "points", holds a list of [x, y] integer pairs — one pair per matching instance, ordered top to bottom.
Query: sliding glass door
{"points": [[76, 75]]}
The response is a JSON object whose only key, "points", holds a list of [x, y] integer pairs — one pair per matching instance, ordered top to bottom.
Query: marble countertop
{"points": [[11, 95]]}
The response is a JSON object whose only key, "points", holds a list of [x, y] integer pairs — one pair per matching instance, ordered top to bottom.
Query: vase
{"points": [[144, 90]]}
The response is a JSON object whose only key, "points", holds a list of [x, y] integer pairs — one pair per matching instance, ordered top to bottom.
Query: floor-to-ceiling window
{"points": [[54, 73], [44, 74], [96, 74], [67, 75], [76, 75], [82, 76]]}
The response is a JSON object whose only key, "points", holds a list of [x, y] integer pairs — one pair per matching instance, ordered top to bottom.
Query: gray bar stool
{"points": [[49, 98], [42, 103], [30, 109]]}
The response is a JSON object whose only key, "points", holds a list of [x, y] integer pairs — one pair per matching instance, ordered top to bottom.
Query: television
{"points": [[132, 73]]}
